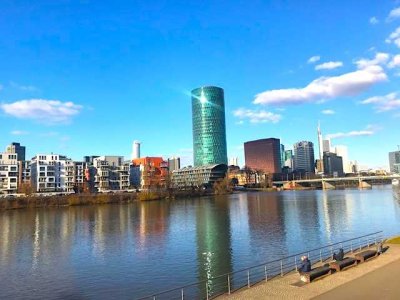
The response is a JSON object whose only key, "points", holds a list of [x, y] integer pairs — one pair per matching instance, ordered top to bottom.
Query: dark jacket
{"points": [[339, 256], [305, 266]]}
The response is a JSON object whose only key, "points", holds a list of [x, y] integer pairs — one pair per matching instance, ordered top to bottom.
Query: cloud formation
{"points": [[394, 14], [373, 20], [394, 37], [380, 58], [313, 59], [395, 62], [329, 65], [348, 84], [384, 103], [44, 111], [328, 112], [257, 116], [19, 132], [354, 133]]}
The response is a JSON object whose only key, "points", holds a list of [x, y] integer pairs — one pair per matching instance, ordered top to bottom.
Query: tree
{"points": [[25, 188]]}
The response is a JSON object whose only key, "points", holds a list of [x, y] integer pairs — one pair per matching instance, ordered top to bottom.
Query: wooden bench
{"points": [[366, 255], [346, 263], [315, 274]]}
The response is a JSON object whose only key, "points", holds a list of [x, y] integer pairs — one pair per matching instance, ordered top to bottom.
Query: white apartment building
{"points": [[8, 173], [52, 173], [111, 173]]}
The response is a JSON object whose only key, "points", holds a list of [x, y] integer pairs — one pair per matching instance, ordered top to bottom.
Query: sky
{"points": [[90, 77]]}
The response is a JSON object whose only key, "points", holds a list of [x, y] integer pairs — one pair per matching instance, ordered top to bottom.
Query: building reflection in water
{"points": [[213, 242]]}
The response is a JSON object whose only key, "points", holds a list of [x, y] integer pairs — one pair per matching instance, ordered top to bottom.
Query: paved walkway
{"points": [[375, 279]]}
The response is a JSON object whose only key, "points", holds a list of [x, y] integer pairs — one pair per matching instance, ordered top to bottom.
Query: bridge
{"points": [[331, 182]]}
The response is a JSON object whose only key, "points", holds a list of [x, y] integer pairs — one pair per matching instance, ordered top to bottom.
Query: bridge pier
{"points": [[363, 184], [327, 186]]}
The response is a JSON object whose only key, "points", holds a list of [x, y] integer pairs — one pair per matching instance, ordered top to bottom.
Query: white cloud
{"points": [[394, 14], [373, 20], [394, 37], [313, 59], [379, 59], [395, 62], [329, 65], [347, 84], [27, 88], [384, 103], [45, 111], [328, 112], [257, 116], [19, 132], [366, 132]]}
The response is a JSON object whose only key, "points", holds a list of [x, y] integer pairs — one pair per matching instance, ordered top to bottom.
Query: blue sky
{"points": [[89, 77]]}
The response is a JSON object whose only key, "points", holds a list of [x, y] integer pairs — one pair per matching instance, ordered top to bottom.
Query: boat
{"points": [[395, 182]]}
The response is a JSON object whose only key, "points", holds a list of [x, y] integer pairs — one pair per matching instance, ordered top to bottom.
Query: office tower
{"points": [[208, 117], [320, 143], [326, 145], [18, 149], [136, 150], [282, 150], [342, 152], [263, 155], [304, 157], [289, 159], [234, 161], [394, 161], [174, 163], [333, 164]]}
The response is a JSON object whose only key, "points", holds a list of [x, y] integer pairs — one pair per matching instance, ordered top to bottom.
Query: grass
{"points": [[394, 240]]}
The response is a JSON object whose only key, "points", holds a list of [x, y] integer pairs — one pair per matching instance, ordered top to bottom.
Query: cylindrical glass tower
{"points": [[209, 136]]}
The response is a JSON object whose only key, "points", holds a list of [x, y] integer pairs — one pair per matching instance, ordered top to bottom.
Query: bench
{"points": [[366, 255], [346, 263], [315, 274]]}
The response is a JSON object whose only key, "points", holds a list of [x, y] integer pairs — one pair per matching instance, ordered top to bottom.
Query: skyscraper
{"points": [[208, 117], [18, 149], [342, 152], [263, 155], [304, 157], [394, 161]]}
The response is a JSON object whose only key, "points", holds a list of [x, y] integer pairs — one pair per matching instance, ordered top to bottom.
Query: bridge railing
{"points": [[245, 278]]}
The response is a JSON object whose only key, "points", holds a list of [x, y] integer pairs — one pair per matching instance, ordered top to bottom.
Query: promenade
{"points": [[375, 279]]}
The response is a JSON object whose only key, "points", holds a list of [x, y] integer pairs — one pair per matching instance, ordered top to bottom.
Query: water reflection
{"points": [[121, 251]]}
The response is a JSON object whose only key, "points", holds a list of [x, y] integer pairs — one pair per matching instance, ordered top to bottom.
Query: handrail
{"points": [[281, 268]]}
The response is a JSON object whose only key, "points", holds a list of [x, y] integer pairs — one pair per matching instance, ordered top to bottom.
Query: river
{"points": [[129, 251]]}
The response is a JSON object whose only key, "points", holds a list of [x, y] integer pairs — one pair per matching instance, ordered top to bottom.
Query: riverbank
{"points": [[354, 283]]}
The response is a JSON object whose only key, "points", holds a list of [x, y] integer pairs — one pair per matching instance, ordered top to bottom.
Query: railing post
{"points": [[360, 243], [351, 246], [331, 251], [320, 255], [295, 263], [281, 268], [266, 275], [248, 278], [229, 285], [207, 290], [182, 294], [154, 297]]}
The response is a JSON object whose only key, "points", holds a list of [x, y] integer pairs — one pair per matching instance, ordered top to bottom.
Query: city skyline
{"points": [[93, 81]]}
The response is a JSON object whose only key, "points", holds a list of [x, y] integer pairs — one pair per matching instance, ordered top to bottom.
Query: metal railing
{"points": [[231, 282]]}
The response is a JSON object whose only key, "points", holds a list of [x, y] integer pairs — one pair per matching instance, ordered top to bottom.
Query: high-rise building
{"points": [[209, 133], [320, 143], [326, 145], [17, 148], [282, 149], [136, 150], [343, 152], [263, 155], [304, 157], [289, 159], [394, 161], [174, 163], [333, 165]]}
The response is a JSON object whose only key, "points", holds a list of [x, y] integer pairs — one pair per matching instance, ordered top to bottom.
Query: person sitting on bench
{"points": [[338, 256], [305, 265]]}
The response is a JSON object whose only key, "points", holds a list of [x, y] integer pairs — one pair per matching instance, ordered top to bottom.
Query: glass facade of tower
{"points": [[208, 116]]}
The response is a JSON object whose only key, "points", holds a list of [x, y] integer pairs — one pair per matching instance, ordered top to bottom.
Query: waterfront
{"points": [[128, 251]]}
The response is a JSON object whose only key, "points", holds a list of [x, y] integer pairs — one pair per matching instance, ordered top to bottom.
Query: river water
{"points": [[129, 251]]}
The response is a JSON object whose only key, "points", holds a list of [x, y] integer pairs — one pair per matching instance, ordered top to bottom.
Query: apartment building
{"points": [[8, 173], [52, 173], [111, 173]]}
